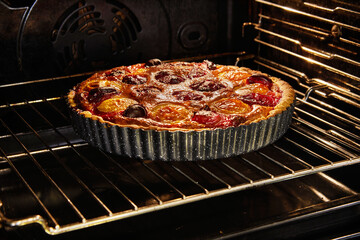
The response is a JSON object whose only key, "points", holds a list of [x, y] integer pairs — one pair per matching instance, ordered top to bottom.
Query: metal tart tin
{"points": [[182, 145]]}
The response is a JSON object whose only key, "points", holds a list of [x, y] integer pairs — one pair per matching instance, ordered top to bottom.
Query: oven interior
{"points": [[54, 183]]}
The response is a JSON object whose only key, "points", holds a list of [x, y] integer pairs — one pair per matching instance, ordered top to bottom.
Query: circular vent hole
{"points": [[90, 34], [193, 36]]}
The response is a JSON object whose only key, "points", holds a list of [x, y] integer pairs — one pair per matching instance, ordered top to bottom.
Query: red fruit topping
{"points": [[168, 77], [134, 79], [260, 79], [207, 85], [98, 94], [186, 96], [260, 99], [207, 117], [212, 119]]}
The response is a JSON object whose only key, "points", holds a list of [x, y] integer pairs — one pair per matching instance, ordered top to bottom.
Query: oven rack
{"points": [[308, 32], [49, 176], [89, 187]]}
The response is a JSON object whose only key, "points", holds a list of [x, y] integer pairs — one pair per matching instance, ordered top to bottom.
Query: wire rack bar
{"points": [[309, 15], [327, 67], [199, 175], [205, 193]]}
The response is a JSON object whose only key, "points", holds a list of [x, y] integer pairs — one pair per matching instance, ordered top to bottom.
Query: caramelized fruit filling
{"points": [[187, 95]]}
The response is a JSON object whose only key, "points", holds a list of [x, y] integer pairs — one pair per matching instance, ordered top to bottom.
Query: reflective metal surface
{"points": [[49, 176], [73, 186]]}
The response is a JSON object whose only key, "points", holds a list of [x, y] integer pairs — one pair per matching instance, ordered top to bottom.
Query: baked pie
{"points": [[185, 97]]}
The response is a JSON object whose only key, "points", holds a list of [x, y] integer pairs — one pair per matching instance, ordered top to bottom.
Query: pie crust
{"points": [[181, 104], [173, 106]]}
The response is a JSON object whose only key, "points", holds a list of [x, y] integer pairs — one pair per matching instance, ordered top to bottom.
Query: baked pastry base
{"points": [[182, 145]]}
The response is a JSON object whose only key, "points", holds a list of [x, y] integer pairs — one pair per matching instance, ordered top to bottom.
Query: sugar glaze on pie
{"points": [[180, 96]]}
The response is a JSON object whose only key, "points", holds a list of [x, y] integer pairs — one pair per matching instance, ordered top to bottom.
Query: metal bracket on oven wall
{"points": [[311, 89], [6, 222]]}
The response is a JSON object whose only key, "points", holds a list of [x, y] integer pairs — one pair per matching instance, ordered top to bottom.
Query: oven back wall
{"points": [[51, 38]]}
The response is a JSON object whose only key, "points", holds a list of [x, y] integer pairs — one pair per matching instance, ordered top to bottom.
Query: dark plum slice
{"points": [[153, 62], [168, 77], [258, 78], [134, 79], [207, 85], [146, 91], [98, 94], [186, 95], [260, 99], [135, 111]]}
